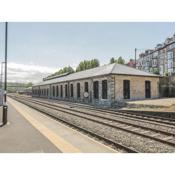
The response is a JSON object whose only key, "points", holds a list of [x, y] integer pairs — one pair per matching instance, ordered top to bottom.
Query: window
{"points": [[170, 55], [53, 88], [86, 89], [96, 89], [104, 89], [126, 89], [147, 89], [71, 90], [78, 90], [57, 91], [61, 91], [66, 91], [47, 92]]}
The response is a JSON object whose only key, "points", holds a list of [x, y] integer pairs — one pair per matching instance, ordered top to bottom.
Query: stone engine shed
{"points": [[107, 85]]}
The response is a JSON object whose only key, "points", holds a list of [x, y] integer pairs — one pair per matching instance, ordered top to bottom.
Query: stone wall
{"points": [[167, 86], [137, 87], [114, 91], [90, 98]]}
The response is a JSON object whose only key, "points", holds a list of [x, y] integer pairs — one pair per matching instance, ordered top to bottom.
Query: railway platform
{"points": [[29, 131]]}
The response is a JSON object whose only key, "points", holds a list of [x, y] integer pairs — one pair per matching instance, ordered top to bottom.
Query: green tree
{"points": [[112, 60], [120, 60], [87, 64], [68, 69], [156, 71], [29, 84]]}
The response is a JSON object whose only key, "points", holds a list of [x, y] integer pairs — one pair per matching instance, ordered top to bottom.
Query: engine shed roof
{"points": [[117, 69]]}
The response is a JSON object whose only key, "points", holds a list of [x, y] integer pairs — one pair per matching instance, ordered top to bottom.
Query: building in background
{"points": [[160, 60], [131, 63], [107, 85]]}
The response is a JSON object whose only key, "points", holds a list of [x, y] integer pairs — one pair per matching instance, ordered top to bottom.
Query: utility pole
{"points": [[135, 56], [2, 74], [4, 120]]}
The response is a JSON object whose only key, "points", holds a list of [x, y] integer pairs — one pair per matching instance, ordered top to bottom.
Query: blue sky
{"points": [[55, 45]]}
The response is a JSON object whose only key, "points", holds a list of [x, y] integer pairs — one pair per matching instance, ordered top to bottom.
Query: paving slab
{"points": [[19, 136], [64, 138]]}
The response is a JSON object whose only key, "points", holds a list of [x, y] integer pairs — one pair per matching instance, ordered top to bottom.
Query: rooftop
{"points": [[117, 69]]}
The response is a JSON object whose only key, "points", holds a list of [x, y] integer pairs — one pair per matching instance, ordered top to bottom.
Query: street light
{"points": [[2, 73], [5, 107]]}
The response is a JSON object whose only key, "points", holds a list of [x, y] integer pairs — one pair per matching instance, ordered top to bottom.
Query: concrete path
{"points": [[32, 131], [19, 136]]}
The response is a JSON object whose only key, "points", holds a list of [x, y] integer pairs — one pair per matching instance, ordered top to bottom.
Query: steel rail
{"points": [[103, 113], [146, 117], [110, 125], [100, 137]]}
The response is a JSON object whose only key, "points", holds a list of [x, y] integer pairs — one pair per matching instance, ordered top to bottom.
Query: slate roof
{"points": [[117, 69]]}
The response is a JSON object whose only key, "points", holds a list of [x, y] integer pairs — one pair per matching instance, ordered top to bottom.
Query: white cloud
{"points": [[27, 72]]}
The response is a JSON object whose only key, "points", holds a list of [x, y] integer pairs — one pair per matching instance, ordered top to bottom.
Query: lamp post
{"points": [[135, 56], [2, 73], [4, 119]]}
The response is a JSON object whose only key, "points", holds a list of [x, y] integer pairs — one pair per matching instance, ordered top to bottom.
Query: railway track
{"points": [[115, 114], [131, 114], [111, 121], [100, 137]]}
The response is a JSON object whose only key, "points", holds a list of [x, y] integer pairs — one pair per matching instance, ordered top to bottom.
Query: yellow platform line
{"points": [[58, 141]]}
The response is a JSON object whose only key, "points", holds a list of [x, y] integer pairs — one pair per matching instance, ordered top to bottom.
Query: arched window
{"points": [[53, 88], [86, 88], [96, 89], [104, 89], [126, 89], [71, 90], [78, 90], [57, 91], [61, 91], [47, 92], [66, 93]]}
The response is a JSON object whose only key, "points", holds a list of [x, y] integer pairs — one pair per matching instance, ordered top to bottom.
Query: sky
{"points": [[36, 50]]}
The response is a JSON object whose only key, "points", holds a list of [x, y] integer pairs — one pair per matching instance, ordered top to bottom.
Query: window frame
{"points": [[86, 86], [126, 89], [66, 90], [71, 90], [78, 90], [53, 91], [57, 91], [61, 91], [96, 91], [104, 91]]}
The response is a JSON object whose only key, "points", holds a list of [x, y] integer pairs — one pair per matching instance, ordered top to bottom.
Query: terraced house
{"points": [[160, 60], [107, 85]]}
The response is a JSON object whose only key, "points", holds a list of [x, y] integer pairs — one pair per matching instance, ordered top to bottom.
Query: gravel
{"points": [[139, 143]]}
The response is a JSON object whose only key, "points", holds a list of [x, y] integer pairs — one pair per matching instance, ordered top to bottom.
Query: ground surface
{"points": [[163, 104], [31, 131], [18, 136]]}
